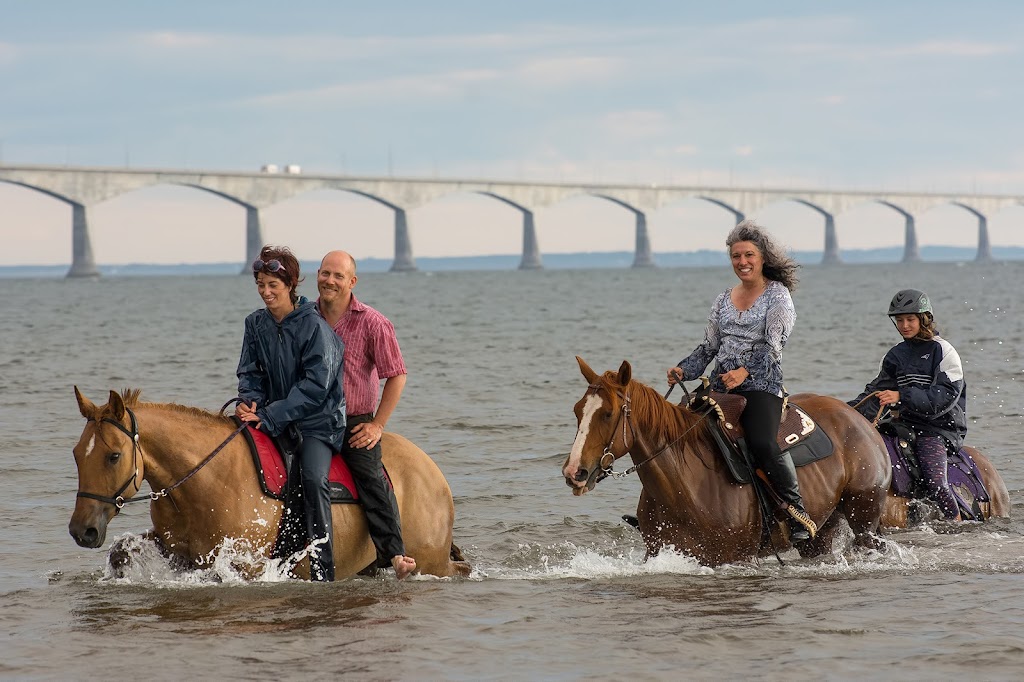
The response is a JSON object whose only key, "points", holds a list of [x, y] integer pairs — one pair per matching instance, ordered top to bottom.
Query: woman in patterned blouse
{"points": [[747, 329]]}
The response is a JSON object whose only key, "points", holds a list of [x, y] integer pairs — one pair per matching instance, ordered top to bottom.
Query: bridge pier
{"points": [[253, 237], [403, 245], [984, 246], [531, 249], [911, 253], [831, 254], [643, 257], [83, 264]]}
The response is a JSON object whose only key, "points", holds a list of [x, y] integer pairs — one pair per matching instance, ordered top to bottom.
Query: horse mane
{"points": [[131, 398], [653, 410]]}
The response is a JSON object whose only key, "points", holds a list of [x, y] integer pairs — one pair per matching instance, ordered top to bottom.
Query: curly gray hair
{"points": [[777, 263]]}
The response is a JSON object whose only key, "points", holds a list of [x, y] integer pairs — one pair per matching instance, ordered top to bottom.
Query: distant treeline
{"points": [[555, 261]]}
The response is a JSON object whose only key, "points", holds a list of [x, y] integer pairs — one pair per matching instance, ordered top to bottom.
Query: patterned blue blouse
{"points": [[753, 339]]}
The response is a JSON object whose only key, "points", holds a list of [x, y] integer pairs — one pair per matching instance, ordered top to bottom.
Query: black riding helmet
{"points": [[909, 301]]}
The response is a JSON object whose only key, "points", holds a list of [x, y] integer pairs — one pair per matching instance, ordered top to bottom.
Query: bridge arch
{"points": [[787, 219], [594, 222], [694, 223], [33, 225], [911, 251], [984, 254]]}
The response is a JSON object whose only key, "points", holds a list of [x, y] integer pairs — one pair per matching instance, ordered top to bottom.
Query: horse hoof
{"points": [[631, 520]]}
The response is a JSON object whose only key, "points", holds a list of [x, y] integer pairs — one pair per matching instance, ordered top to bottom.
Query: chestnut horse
{"points": [[689, 499], [897, 509], [194, 511]]}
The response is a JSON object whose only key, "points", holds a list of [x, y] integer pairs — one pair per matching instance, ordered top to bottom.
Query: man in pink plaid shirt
{"points": [[371, 354]]}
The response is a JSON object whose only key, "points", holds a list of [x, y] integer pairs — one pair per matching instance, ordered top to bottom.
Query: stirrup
{"points": [[803, 519]]}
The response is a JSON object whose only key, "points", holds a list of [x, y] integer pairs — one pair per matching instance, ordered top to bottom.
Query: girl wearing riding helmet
{"points": [[289, 375], [922, 379]]}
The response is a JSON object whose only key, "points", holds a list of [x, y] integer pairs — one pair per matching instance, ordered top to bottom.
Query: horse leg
{"points": [[863, 509], [896, 513], [822, 542], [126, 550]]}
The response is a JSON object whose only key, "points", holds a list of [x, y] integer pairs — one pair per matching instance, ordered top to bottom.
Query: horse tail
{"points": [[459, 564]]}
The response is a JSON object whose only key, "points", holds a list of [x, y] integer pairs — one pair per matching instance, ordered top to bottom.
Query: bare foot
{"points": [[404, 565]]}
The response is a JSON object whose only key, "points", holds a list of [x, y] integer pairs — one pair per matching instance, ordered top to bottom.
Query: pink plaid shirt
{"points": [[371, 354]]}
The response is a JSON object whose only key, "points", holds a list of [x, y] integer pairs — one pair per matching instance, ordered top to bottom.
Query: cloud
{"points": [[179, 40], [953, 48], [8, 53], [559, 71], [376, 91], [833, 100], [635, 124], [743, 150]]}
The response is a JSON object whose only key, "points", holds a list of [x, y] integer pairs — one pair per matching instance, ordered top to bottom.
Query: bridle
{"points": [[625, 417], [118, 499]]}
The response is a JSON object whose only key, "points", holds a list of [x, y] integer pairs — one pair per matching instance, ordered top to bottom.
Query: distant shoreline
{"points": [[552, 261]]}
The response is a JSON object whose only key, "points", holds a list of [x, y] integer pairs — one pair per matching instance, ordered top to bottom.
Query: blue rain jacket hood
{"points": [[293, 371]]}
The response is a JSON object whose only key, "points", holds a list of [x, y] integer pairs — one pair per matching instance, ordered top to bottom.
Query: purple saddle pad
{"points": [[964, 478]]}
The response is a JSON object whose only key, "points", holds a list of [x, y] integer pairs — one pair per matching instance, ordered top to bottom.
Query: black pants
{"points": [[760, 421], [314, 466], [375, 494]]}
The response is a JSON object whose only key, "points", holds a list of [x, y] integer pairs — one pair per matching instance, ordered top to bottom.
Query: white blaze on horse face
{"points": [[590, 408], [90, 446]]}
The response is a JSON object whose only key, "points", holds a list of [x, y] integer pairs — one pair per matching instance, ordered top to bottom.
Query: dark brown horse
{"points": [[689, 500], [194, 510]]}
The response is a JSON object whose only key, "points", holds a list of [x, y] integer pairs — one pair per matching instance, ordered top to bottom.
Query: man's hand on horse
{"points": [[675, 375], [366, 435]]}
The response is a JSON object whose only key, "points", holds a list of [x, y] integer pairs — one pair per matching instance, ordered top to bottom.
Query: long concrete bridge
{"points": [[83, 187]]}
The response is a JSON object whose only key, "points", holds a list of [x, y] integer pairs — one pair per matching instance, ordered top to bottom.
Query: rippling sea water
{"points": [[559, 589]]}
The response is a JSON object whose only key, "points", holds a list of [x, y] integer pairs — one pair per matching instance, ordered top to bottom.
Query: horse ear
{"points": [[625, 373], [588, 374], [116, 405], [85, 406]]}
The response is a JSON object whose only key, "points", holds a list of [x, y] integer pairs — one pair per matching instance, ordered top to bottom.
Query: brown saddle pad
{"points": [[795, 427], [798, 432]]}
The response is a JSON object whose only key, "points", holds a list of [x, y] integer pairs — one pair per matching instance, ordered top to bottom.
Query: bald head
{"points": [[339, 261], [335, 280]]}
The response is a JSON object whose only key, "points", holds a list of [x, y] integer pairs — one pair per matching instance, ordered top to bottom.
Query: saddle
{"points": [[798, 433], [272, 468]]}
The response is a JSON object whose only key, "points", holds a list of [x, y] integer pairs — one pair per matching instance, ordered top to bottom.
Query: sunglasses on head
{"points": [[260, 265]]}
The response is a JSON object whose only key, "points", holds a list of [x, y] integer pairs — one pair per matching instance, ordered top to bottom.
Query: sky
{"points": [[904, 96]]}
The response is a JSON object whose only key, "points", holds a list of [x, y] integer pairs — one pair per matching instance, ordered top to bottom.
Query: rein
{"points": [[881, 408], [118, 499]]}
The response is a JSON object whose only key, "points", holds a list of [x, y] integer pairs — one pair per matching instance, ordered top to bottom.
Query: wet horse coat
{"points": [[224, 499], [689, 500]]}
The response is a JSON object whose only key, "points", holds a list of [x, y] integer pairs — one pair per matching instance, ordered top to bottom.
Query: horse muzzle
{"points": [[584, 480], [91, 532]]}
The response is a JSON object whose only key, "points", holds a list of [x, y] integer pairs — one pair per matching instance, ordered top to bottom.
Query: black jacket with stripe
{"points": [[930, 379]]}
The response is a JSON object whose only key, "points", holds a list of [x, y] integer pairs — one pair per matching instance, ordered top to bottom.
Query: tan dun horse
{"points": [[689, 499], [897, 509], [194, 511]]}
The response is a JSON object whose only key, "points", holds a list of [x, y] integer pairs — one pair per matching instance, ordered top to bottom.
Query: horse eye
{"points": [[113, 457]]}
